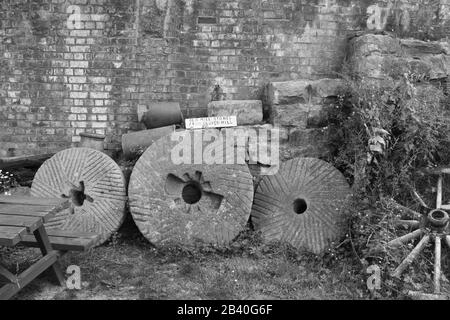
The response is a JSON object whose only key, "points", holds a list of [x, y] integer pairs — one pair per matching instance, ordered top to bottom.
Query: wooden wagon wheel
{"points": [[95, 185], [185, 204], [302, 204], [432, 226]]}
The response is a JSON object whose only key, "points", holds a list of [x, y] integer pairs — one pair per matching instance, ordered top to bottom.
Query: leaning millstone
{"points": [[417, 48], [248, 112], [135, 143], [95, 185], [177, 198], [303, 204]]}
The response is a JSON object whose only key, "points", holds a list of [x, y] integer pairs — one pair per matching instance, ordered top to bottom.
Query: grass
{"points": [[128, 267]]}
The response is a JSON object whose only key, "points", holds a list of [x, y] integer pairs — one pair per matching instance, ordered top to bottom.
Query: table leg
{"points": [[46, 248], [7, 275], [19, 282], [10, 288]]}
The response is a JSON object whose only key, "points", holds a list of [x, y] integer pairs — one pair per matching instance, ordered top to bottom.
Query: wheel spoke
{"points": [[439, 192], [420, 200], [413, 213], [414, 224], [406, 238], [447, 240], [411, 257], [437, 265], [423, 296]]}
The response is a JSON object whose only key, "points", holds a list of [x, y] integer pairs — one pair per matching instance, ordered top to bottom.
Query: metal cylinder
{"points": [[161, 114], [92, 141]]}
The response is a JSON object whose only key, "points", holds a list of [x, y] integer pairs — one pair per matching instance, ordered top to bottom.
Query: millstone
{"points": [[95, 186], [188, 203], [302, 204]]}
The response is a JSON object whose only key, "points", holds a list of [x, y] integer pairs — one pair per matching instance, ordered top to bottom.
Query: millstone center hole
{"points": [[192, 193], [78, 197], [300, 206]]}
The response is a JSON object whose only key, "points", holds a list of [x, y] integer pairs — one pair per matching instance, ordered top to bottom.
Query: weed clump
{"points": [[382, 137]]}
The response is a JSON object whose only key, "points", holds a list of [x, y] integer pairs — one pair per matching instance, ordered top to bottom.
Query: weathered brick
{"points": [[101, 70], [77, 79], [78, 95]]}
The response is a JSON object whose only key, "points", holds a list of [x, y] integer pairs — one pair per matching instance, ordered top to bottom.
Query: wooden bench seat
{"points": [[20, 217], [22, 221], [62, 240]]}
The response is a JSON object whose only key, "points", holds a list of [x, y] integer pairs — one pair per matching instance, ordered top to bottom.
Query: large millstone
{"points": [[95, 186], [185, 204], [302, 204]]}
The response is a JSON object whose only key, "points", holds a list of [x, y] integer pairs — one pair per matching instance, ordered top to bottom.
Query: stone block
{"points": [[374, 44], [416, 48], [302, 91], [248, 112]]}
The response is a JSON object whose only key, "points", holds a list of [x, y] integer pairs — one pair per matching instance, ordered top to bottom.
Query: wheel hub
{"points": [[438, 220], [430, 228]]}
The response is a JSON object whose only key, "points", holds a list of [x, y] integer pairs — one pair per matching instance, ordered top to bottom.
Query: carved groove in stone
{"points": [[95, 185], [185, 204], [302, 204]]}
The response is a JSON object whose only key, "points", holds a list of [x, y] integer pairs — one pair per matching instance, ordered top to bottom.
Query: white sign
{"points": [[213, 122]]}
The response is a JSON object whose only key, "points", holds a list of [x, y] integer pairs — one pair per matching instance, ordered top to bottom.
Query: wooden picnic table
{"points": [[22, 218]]}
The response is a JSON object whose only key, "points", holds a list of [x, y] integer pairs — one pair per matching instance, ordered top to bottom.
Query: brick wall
{"points": [[85, 65]]}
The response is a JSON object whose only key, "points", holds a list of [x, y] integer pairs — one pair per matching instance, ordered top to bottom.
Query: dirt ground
{"points": [[128, 267]]}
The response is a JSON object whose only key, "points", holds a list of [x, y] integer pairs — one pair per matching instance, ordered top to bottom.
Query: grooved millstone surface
{"points": [[301, 181], [104, 185], [161, 212]]}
